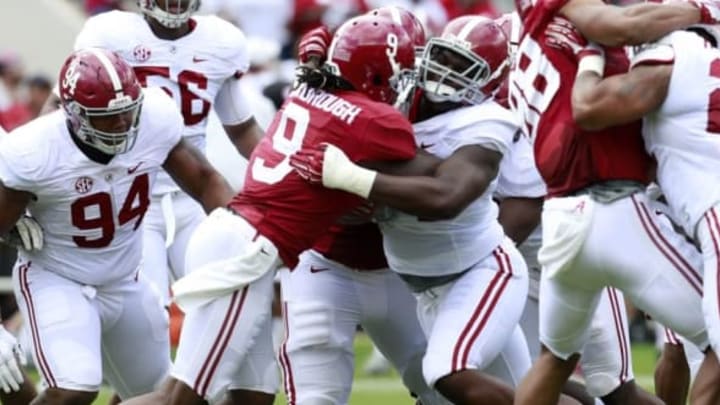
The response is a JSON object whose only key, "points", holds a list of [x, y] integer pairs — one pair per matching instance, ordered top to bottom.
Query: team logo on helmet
{"points": [[142, 53], [72, 75], [83, 184]]}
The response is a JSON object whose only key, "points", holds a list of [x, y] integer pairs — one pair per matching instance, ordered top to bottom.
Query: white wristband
{"points": [[592, 63], [342, 174]]}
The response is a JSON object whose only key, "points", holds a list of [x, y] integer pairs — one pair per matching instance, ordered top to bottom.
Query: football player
{"points": [[198, 60], [673, 84], [85, 174], [597, 230]]}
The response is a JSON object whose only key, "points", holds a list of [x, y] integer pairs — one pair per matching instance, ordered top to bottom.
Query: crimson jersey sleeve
{"points": [[387, 137]]}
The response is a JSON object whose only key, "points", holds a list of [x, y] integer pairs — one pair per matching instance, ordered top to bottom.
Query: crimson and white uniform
{"points": [[199, 70], [682, 135], [518, 177], [271, 221], [597, 228], [470, 280], [343, 282], [92, 315]]}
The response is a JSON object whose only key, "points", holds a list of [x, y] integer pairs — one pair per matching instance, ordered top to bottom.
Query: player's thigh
{"points": [[188, 215], [708, 233], [652, 264], [565, 312], [321, 313], [389, 316], [475, 316], [530, 324], [64, 325], [217, 336], [135, 344], [606, 358], [513, 361], [259, 371]]}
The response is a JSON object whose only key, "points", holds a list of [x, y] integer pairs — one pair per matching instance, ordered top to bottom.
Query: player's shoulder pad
{"points": [[108, 30], [225, 40], [486, 111], [161, 113], [29, 148]]}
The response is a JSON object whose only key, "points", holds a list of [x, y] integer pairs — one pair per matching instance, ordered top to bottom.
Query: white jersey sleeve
{"points": [[99, 31], [231, 103], [167, 123], [495, 131], [22, 162], [518, 176]]}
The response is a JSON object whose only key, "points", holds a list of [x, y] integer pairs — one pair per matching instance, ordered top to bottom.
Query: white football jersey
{"points": [[192, 69], [684, 133], [518, 177], [90, 212], [434, 248]]}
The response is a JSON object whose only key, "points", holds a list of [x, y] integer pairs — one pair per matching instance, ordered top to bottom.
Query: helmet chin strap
{"points": [[438, 92]]}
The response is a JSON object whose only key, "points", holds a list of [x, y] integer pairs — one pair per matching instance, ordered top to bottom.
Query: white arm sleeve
{"points": [[231, 104]]}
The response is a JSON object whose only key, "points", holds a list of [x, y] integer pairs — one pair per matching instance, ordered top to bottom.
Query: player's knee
{"points": [[311, 326], [412, 376], [59, 396]]}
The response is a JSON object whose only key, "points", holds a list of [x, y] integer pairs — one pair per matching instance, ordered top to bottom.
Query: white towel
{"points": [[166, 206], [565, 225], [224, 255]]}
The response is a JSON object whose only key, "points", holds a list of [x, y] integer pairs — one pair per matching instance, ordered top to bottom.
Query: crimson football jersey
{"points": [[568, 157], [282, 206]]}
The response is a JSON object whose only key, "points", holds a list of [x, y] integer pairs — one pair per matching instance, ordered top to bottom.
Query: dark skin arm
{"points": [[631, 25], [600, 103], [244, 136], [196, 176], [456, 182], [13, 203], [519, 217]]}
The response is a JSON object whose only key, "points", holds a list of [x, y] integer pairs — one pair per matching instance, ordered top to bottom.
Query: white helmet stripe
{"points": [[395, 15], [465, 31], [331, 49], [105, 61]]}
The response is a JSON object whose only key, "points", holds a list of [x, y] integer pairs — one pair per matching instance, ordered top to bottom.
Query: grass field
{"points": [[387, 390]]}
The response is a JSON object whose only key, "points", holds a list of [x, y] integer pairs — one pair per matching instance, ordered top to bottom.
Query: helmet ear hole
{"points": [[377, 80]]}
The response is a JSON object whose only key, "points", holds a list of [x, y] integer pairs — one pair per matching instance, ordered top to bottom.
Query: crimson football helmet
{"points": [[173, 15], [406, 19], [375, 55], [467, 63], [102, 99]]}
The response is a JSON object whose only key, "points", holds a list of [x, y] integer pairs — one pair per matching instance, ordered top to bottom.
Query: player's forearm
{"points": [[631, 25], [592, 101], [600, 103], [245, 136], [215, 193], [425, 197], [519, 217]]}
